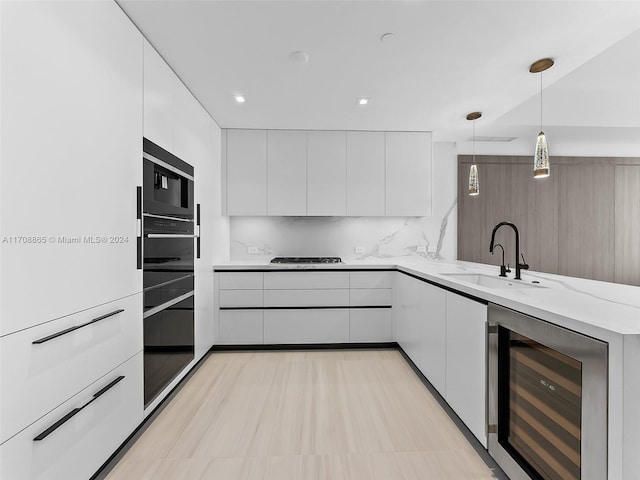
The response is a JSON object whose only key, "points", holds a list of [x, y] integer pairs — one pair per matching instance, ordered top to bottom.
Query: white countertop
{"points": [[592, 307]]}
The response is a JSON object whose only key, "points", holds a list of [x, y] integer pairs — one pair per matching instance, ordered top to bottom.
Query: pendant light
{"points": [[541, 165], [474, 182]]}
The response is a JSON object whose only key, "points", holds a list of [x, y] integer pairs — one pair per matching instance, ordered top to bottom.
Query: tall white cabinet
{"points": [[175, 120], [70, 150], [70, 302]]}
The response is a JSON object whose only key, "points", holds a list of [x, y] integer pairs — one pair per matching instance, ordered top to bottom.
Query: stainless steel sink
{"points": [[492, 282]]}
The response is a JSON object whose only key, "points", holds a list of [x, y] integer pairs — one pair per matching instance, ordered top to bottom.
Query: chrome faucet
{"points": [[519, 266], [503, 270]]}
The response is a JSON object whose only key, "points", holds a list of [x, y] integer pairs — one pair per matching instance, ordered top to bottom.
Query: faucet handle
{"points": [[523, 265], [508, 269]]}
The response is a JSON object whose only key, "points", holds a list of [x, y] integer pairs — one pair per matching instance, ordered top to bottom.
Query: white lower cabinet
{"points": [[304, 298], [407, 316], [370, 325], [306, 326], [241, 327], [433, 329], [445, 335], [466, 362], [43, 366], [109, 410]]}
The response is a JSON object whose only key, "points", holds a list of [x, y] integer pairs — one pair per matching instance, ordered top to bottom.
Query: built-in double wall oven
{"points": [[169, 243], [548, 393]]}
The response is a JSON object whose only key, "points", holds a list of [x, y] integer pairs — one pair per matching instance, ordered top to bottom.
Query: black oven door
{"points": [[168, 259], [168, 345]]}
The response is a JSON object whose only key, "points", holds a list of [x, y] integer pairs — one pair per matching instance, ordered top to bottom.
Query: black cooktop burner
{"points": [[307, 260]]}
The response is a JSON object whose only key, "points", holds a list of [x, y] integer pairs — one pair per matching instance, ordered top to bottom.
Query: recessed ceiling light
{"points": [[388, 38], [298, 57], [239, 98], [363, 101]]}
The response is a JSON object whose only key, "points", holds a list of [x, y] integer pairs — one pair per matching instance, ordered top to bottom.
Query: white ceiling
{"points": [[449, 58]]}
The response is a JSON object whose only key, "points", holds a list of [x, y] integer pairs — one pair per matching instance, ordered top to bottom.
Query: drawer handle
{"points": [[71, 329], [45, 433]]}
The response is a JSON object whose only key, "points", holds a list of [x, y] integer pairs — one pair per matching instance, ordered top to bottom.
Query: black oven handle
{"points": [[169, 217], [139, 228], [198, 230], [169, 235]]}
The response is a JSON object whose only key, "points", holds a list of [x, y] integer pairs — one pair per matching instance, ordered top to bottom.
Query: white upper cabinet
{"points": [[159, 81], [70, 158], [246, 169], [286, 172], [327, 173], [365, 174], [408, 174], [326, 179]]}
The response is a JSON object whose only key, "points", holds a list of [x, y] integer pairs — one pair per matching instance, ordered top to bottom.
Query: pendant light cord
{"points": [[540, 101], [473, 141]]}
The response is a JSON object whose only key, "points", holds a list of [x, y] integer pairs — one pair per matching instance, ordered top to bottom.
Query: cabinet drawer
{"points": [[371, 279], [241, 280], [305, 280], [364, 297], [240, 298], [306, 298], [370, 325], [306, 326], [241, 327], [38, 377], [79, 446]]}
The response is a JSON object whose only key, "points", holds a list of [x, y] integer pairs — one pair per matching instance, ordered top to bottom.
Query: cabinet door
{"points": [[159, 82], [71, 158], [246, 166], [286, 172], [408, 172], [326, 173], [365, 174], [627, 220], [586, 221], [407, 316], [370, 325], [306, 326], [241, 327], [433, 329], [466, 364], [43, 366], [110, 409]]}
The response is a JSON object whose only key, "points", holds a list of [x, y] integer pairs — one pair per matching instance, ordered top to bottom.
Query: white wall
{"points": [[382, 237]]}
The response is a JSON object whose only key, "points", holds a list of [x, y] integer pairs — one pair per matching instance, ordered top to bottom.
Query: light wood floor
{"points": [[345, 414]]}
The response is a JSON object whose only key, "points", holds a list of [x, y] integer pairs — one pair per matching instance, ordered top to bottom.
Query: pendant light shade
{"points": [[541, 159], [541, 166], [474, 181]]}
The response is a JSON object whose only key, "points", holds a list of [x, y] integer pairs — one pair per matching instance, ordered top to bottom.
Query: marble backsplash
{"points": [[381, 237]]}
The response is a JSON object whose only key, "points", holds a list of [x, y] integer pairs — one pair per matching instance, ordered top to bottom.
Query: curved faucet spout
{"points": [[519, 265]]}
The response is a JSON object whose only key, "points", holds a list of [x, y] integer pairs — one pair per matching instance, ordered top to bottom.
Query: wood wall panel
{"points": [[535, 212], [627, 218], [582, 221], [586, 221]]}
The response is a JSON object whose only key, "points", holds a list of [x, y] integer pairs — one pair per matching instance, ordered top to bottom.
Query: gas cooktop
{"points": [[307, 260]]}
